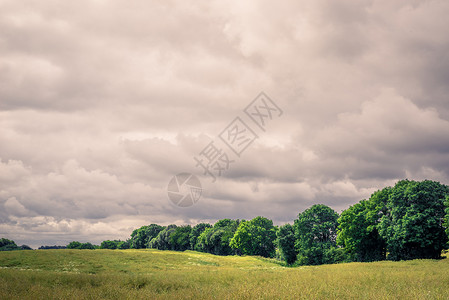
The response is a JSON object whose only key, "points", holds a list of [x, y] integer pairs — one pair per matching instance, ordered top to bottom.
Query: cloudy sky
{"points": [[103, 102]]}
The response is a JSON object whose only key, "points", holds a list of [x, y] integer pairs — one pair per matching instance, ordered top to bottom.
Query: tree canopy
{"points": [[413, 225], [358, 228], [316, 232], [140, 237], [255, 237], [286, 243]]}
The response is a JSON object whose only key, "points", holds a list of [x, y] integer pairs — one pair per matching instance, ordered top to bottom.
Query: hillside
{"points": [[153, 274]]}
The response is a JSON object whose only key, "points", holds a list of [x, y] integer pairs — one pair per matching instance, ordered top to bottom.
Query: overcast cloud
{"points": [[102, 102]]}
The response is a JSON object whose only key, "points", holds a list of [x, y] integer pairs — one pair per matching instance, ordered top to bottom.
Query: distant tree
{"points": [[413, 227], [358, 228], [316, 232], [195, 233], [140, 237], [255, 237], [179, 239], [162, 240], [216, 240], [241, 241], [203, 242], [286, 243], [108, 244], [124, 244], [8, 245], [74, 245], [78, 245], [87, 246], [25, 247], [51, 247]]}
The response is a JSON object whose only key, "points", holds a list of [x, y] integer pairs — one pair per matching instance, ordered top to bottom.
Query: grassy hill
{"points": [[153, 274]]}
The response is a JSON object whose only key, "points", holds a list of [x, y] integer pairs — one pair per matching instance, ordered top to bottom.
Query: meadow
{"points": [[154, 274]]}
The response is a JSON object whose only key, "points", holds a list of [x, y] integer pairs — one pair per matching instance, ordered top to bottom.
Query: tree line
{"points": [[407, 221]]}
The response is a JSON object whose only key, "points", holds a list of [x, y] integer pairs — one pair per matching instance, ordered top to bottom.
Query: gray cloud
{"points": [[102, 103]]}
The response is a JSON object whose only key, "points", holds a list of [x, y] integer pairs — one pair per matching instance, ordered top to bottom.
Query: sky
{"points": [[103, 102]]}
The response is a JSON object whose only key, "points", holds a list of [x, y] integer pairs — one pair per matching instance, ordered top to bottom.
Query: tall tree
{"points": [[413, 227], [357, 228], [316, 232], [195, 233], [141, 236], [255, 237], [179, 239], [162, 240], [216, 240], [286, 243], [108, 244], [124, 244], [7, 245], [74, 245], [87, 246]]}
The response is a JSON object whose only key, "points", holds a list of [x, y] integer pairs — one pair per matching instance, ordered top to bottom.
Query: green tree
{"points": [[413, 227], [357, 228], [316, 231], [195, 233], [141, 236], [255, 237], [179, 239], [162, 240], [216, 240], [203, 242], [286, 243], [109, 244], [124, 244], [8, 245], [74, 245], [87, 246]]}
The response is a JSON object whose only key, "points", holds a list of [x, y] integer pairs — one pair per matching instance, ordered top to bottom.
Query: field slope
{"points": [[152, 274]]}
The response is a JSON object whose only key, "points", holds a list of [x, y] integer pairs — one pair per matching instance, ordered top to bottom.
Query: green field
{"points": [[153, 274]]}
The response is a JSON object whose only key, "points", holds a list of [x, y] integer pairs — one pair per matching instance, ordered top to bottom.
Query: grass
{"points": [[152, 274]]}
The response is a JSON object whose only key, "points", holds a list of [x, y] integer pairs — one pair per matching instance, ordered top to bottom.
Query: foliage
{"points": [[446, 219], [413, 227], [357, 229], [315, 231], [195, 233], [140, 237], [255, 237], [180, 238], [162, 240], [216, 240], [286, 243], [108, 244], [124, 244], [8, 245], [74, 245], [78, 245], [87, 246], [51, 247], [334, 255]]}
